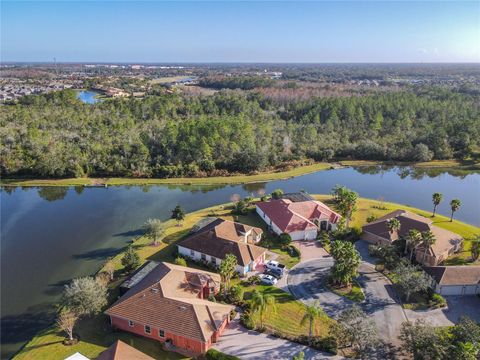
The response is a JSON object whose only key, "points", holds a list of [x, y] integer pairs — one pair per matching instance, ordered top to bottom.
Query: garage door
{"points": [[451, 290]]}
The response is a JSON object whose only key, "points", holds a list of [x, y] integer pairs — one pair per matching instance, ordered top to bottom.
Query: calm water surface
{"points": [[88, 97], [50, 235]]}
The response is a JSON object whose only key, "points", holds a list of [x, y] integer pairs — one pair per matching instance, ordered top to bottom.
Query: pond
{"points": [[88, 97], [53, 234]]}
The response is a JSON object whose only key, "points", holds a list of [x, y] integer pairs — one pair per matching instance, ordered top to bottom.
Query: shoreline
{"points": [[445, 165]]}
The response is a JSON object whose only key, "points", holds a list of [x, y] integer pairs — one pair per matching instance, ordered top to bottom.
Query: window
{"points": [[192, 253], [204, 257], [131, 323], [147, 329], [161, 333]]}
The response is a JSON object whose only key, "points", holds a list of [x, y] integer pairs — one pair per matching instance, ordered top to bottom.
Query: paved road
{"points": [[306, 282], [249, 345]]}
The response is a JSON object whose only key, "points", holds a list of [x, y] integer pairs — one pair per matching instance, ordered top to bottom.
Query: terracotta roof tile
{"points": [[294, 216], [223, 237], [444, 239], [167, 298], [121, 351]]}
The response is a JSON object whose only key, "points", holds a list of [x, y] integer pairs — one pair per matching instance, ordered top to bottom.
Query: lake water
{"points": [[88, 97], [50, 235]]}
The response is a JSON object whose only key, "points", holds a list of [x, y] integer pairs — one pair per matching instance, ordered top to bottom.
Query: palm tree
{"points": [[437, 199], [454, 205], [393, 225], [413, 239], [428, 239], [475, 248], [261, 303], [312, 313]]}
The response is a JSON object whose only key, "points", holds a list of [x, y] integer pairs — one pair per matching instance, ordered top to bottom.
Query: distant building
{"points": [[298, 215], [212, 240], [446, 242], [455, 280], [169, 304]]}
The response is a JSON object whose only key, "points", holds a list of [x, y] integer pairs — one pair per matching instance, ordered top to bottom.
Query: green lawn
{"points": [[218, 180], [354, 292], [289, 312], [95, 336]]}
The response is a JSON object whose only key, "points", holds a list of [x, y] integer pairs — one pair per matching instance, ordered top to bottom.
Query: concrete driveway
{"points": [[306, 282], [247, 344]]}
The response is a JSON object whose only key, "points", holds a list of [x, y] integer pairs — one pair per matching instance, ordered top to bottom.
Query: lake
{"points": [[88, 97], [53, 234]]}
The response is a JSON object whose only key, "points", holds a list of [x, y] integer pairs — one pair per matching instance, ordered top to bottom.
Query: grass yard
{"points": [[218, 180], [378, 208], [353, 292], [286, 319], [95, 336]]}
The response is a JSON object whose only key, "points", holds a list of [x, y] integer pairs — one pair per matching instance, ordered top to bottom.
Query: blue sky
{"points": [[130, 31]]}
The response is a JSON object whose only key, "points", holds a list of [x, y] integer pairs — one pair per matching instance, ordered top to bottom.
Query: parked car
{"points": [[272, 264], [276, 273], [268, 280]]}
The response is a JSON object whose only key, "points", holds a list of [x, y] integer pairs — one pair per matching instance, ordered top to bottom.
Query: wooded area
{"points": [[172, 135]]}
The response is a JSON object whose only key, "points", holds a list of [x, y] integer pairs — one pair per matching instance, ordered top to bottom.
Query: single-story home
{"points": [[300, 219], [212, 240], [446, 242], [455, 280], [169, 305], [121, 351]]}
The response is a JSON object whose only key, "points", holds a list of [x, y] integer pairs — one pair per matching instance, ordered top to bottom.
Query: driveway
{"points": [[310, 249], [306, 282], [458, 306], [247, 344]]}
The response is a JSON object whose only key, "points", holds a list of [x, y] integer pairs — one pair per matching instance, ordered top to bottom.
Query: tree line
{"points": [[173, 135]]}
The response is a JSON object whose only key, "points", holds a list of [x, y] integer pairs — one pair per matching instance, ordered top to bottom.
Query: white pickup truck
{"points": [[272, 264]]}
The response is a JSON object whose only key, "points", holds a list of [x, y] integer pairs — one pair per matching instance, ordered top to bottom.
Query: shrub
{"points": [[277, 194], [240, 208], [371, 218], [285, 239], [292, 251], [130, 260], [180, 261], [252, 280], [236, 294], [437, 301], [247, 321], [327, 344], [214, 354]]}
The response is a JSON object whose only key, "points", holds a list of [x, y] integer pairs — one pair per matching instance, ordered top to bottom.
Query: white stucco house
{"points": [[300, 219], [213, 241]]}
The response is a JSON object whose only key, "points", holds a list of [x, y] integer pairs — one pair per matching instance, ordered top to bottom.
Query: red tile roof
{"points": [[294, 216], [222, 237], [167, 298], [121, 351]]}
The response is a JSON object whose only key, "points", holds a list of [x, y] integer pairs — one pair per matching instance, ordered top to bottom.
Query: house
{"points": [[298, 216], [213, 238], [446, 242], [455, 280], [169, 304], [121, 351], [77, 356]]}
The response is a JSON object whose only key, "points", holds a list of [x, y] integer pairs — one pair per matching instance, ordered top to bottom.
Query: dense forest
{"points": [[172, 135]]}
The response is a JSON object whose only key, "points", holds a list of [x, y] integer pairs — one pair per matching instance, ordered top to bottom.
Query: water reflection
{"points": [[58, 233]]}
